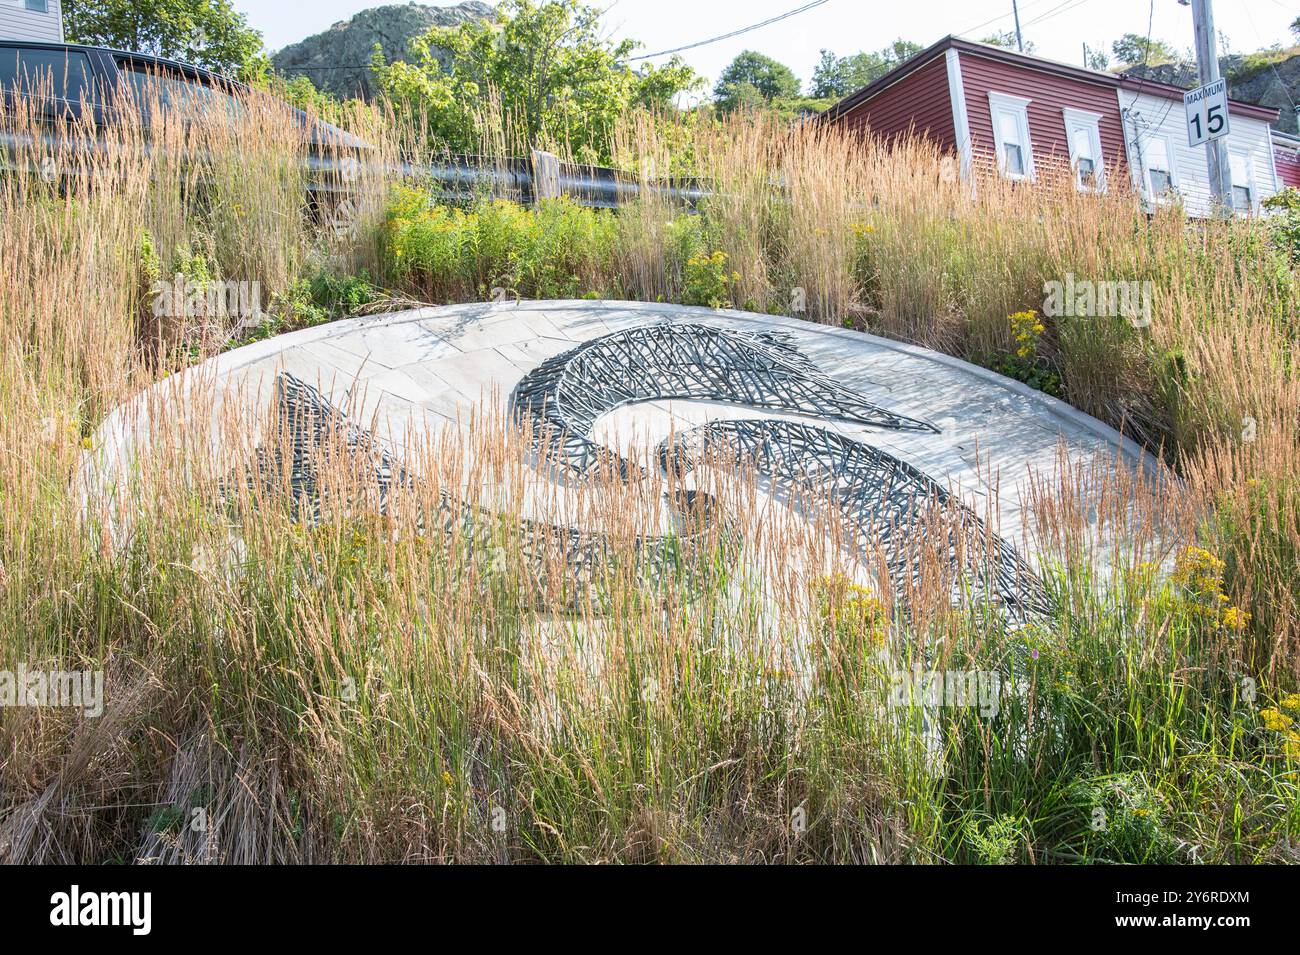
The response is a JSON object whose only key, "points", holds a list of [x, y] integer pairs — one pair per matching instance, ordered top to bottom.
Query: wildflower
{"points": [[1027, 331], [87, 443], [1199, 569], [1234, 618], [1290, 702], [1276, 720], [1291, 744], [447, 778]]}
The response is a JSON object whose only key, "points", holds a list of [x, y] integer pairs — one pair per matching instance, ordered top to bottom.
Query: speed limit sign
{"points": [[1207, 112]]}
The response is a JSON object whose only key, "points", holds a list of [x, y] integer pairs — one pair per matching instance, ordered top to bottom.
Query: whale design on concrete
{"points": [[563, 397], [883, 498], [886, 502]]}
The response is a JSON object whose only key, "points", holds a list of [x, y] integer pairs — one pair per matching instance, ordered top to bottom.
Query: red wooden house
{"points": [[992, 105], [1021, 114], [1286, 156]]}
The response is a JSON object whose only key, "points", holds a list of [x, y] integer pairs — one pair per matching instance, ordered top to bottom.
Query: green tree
{"points": [[1295, 28], [208, 33], [1007, 40], [1133, 48], [1097, 58], [839, 77], [827, 79], [772, 80], [557, 81]]}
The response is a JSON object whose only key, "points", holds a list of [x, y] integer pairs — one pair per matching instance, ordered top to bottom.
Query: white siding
{"points": [[19, 23], [1147, 117]]}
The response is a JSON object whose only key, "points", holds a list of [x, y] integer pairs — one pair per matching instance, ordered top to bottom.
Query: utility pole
{"points": [[1020, 43], [1207, 67]]}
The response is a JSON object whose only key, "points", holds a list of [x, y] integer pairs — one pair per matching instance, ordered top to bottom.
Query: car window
{"points": [[65, 74], [149, 84]]}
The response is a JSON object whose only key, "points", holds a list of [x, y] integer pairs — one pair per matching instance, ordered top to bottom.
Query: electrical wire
{"points": [[1001, 16], [727, 36], [1273, 66]]}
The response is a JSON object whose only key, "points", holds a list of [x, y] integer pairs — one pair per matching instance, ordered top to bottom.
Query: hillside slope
{"points": [[338, 60], [1277, 86]]}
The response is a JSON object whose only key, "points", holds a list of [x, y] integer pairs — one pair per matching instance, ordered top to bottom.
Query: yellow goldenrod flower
{"points": [[1234, 618], [1275, 720], [1291, 744]]}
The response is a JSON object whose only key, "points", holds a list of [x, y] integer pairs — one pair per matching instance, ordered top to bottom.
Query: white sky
{"points": [[1059, 28]]}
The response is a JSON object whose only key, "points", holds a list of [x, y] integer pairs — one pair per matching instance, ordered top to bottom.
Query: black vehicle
{"points": [[68, 80]]}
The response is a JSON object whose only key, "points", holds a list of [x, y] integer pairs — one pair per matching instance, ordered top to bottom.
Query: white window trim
{"points": [[1018, 106], [960, 121], [1092, 123], [1143, 132], [1247, 157]]}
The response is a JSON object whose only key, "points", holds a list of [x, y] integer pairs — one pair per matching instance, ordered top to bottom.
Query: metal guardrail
{"points": [[544, 176], [458, 178]]}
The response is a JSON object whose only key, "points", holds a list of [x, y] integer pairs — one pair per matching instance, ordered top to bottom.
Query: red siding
{"points": [[1048, 94], [918, 102], [1288, 166]]}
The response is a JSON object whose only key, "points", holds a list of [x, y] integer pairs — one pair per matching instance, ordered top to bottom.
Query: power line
{"points": [[1056, 11], [1001, 16], [728, 36], [1260, 37], [1146, 55], [1149, 129]]}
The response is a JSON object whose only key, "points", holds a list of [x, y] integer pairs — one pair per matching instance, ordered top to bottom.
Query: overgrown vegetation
{"points": [[372, 687]]}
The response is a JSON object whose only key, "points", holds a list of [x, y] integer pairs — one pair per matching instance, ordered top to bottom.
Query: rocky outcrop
{"points": [[338, 60], [1277, 86], [1268, 88]]}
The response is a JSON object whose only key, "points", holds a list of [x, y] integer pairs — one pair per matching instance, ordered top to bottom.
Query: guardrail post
{"points": [[546, 175]]}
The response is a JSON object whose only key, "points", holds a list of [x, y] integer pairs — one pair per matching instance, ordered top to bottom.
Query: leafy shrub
{"points": [[1284, 224], [425, 244], [556, 250], [708, 281], [343, 295], [314, 301], [1027, 363], [1125, 820], [998, 841]]}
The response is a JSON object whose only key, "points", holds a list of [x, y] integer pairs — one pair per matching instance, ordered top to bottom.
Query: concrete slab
{"points": [[432, 368]]}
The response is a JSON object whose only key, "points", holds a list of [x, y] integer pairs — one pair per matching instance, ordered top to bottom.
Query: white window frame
{"points": [[1018, 108], [1090, 123], [1143, 132], [1247, 157]]}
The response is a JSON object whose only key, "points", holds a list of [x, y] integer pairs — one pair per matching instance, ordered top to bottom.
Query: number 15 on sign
{"points": [[1207, 112]]}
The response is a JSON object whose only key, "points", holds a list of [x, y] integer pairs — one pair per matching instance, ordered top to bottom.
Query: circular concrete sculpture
{"points": [[878, 427]]}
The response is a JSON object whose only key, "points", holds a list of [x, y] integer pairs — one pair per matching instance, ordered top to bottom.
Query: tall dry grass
{"points": [[387, 687]]}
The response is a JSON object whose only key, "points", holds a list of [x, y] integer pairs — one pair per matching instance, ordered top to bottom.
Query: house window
{"points": [[40, 6], [1010, 115], [1084, 137], [1161, 183], [1243, 183]]}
